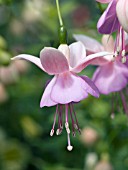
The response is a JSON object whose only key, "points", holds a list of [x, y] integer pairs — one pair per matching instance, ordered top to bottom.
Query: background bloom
{"points": [[114, 74]]}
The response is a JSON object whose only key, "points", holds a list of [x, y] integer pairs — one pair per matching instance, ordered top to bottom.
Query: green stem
{"points": [[100, 7], [59, 13]]}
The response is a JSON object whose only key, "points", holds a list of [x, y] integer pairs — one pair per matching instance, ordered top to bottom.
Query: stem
{"points": [[100, 7], [59, 13]]}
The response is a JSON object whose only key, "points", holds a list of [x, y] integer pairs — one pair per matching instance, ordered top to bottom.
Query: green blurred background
{"points": [[26, 26]]}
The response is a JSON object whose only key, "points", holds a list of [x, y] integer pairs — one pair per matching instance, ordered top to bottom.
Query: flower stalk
{"points": [[62, 29]]}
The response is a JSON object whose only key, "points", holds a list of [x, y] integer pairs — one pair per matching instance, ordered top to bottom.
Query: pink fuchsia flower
{"points": [[122, 13], [109, 23], [112, 74], [66, 87]]}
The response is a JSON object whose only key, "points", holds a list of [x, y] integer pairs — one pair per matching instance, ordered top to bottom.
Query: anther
{"points": [[123, 53], [116, 54], [123, 59], [66, 125], [75, 126], [68, 130], [52, 132], [57, 132], [73, 134], [69, 148]]}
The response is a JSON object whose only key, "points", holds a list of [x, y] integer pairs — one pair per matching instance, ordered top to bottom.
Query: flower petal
{"points": [[104, 1], [122, 13], [108, 22], [108, 43], [90, 44], [64, 48], [77, 53], [30, 58], [90, 59], [53, 61], [111, 77], [90, 86], [69, 88], [46, 97]]}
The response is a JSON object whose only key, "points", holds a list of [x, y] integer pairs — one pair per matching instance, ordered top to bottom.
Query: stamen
{"points": [[123, 57], [53, 126], [78, 128], [52, 132], [58, 132]]}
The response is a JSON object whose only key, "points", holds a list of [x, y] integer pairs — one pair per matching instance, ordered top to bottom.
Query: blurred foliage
{"points": [[26, 27]]}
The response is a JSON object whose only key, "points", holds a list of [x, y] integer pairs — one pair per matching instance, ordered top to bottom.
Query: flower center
{"points": [[69, 111]]}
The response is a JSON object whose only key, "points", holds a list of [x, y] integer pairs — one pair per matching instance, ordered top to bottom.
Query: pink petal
{"points": [[104, 1], [122, 13], [108, 22], [108, 43], [91, 45], [64, 48], [77, 53], [30, 58], [90, 59], [53, 61], [111, 77], [90, 86], [69, 88], [46, 98]]}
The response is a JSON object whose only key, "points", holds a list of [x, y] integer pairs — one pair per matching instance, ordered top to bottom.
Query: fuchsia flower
{"points": [[122, 13], [115, 18], [108, 22], [112, 74], [66, 87]]}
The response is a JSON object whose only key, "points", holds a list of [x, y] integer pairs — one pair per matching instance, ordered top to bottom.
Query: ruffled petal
{"points": [[104, 1], [122, 13], [108, 22], [91, 45], [77, 53], [30, 58], [91, 59], [53, 61], [111, 77], [90, 86], [69, 88], [46, 97]]}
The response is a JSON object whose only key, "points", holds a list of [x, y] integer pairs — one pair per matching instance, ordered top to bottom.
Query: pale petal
{"points": [[104, 1], [122, 13], [108, 22], [108, 43], [91, 45], [64, 48], [77, 53], [30, 58], [90, 59], [53, 61], [111, 77], [90, 86], [69, 88], [46, 98]]}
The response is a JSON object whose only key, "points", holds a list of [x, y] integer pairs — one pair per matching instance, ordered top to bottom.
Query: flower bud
{"points": [[63, 35], [4, 58]]}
